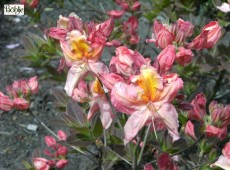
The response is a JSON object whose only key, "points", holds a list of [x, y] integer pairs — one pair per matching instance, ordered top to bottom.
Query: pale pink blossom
{"points": [[146, 99]]}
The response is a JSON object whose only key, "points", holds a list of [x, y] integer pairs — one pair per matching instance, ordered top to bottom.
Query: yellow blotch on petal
{"points": [[151, 82], [97, 88]]}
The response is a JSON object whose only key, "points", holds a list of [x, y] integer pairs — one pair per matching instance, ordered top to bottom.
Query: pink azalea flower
{"points": [[83, 48], [147, 99], [224, 160]]}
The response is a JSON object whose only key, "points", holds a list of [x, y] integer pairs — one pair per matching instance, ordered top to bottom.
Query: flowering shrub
{"points": [[133, 110]]}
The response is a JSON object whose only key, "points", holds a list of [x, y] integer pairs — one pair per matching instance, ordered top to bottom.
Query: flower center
{"points": [[150, 81]]}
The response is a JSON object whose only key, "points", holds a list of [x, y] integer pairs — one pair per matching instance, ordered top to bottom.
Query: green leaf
{"points": [[38, 40], [98, 128], [116, 140], [27, 165]]}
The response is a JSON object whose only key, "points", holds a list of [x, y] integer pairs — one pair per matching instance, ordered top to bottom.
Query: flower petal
{"points": [[169, 116], [135, 122]]}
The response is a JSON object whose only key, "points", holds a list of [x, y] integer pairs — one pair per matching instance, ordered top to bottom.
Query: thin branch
{"points": [[143, 146], [119, 156]]}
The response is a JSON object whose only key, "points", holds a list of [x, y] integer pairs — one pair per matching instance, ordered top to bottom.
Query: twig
{"points": [[143, 146], [119, 156]]}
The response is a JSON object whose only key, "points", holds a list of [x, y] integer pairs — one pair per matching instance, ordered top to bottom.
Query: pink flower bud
{"points": [[34, 3], [136, 6], [116, 13], [106, 27], [181, 30], [57, 33], [214, 33], [163, 36], [209, 36], [114, 43], [184, 56], [166, 59], [33, 84], [24, 88], [11, 91], [6, 103], [21, 104], [185, 106], [199, 108], [220, 114], [189, 129], [212, 131], [62, 135], [50, 141], [62, 151], [48, 153], [165, 162], [61, 163], [41, 164], [148, 167]]}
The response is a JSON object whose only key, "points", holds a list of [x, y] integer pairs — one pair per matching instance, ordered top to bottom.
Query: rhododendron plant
{"points": [[140, 108]]}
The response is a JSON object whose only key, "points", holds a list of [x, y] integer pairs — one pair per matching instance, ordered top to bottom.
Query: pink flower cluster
{"points": [[176, 34], [18, 94], [215, 124], [58, 154]]}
